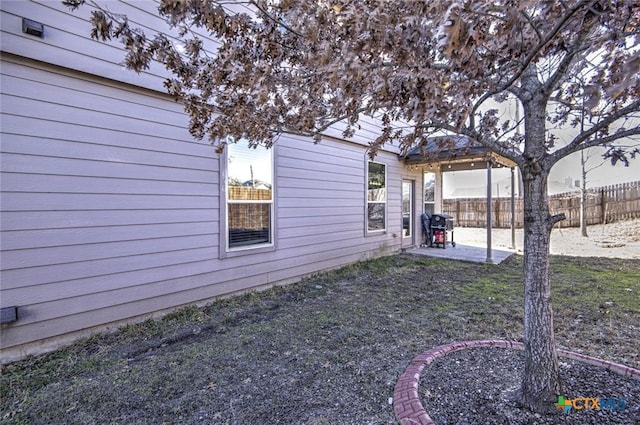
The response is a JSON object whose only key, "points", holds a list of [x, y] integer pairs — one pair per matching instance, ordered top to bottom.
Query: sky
{"points": [[247, 163], [567, 170], [474, 183]]}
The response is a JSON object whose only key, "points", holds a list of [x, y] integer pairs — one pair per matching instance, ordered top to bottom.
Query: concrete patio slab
{"points": [[461, 252]]}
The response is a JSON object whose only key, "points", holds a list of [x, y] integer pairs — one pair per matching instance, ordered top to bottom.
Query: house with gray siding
{"points": [[112, 213]]}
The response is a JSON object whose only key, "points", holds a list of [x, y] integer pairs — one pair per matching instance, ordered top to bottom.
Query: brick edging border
{"points": [[406, 401]]}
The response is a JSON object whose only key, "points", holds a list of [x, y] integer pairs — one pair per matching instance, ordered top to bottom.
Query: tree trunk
{"points": [[583, 197], [583, 211], [541, 381]]}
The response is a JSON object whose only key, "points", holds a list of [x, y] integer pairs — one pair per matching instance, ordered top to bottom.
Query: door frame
{"points": [[410, 239]]}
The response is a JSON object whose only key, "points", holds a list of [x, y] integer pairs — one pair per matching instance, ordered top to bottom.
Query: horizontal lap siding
{"points": [[67, 40], [321, 202], [108, 205], [110, 209], [109, 214]]}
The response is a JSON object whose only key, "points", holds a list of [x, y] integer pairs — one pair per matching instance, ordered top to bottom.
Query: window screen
{"points": [[249, 196], [376, 196]]}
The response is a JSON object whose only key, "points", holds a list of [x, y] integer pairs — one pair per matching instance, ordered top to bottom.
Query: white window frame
{"points": [[411, 184], [424, 198], [369, 231], [227, 251]]}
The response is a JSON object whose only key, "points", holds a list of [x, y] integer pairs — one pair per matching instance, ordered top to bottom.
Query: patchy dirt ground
{"points": [[329, 349]]}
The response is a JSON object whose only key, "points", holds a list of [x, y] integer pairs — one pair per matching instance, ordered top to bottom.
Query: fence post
{"points": [[603, 207]]}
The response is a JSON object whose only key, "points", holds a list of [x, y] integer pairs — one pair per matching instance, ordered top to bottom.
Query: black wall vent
{"points": [[32, 27], [8, 314]]}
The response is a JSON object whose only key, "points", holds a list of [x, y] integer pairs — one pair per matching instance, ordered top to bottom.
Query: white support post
{"points": [[489, 213]]}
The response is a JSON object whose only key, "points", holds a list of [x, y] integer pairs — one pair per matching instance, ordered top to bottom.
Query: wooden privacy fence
{"points": [[603, 205], [249, 208]]}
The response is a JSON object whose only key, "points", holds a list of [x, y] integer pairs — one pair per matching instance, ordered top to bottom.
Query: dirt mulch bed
{"points": [[329, 349], [477, 386]]}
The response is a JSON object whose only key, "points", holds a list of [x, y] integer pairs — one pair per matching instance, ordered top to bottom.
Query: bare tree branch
{"points": [[580, 140]]}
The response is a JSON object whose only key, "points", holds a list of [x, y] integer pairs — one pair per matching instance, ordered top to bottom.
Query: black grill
{"points": [[442, 221], [436, 228]]}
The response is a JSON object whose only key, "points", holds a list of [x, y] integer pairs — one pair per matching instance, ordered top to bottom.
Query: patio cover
{"points": [[460, 153]]}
